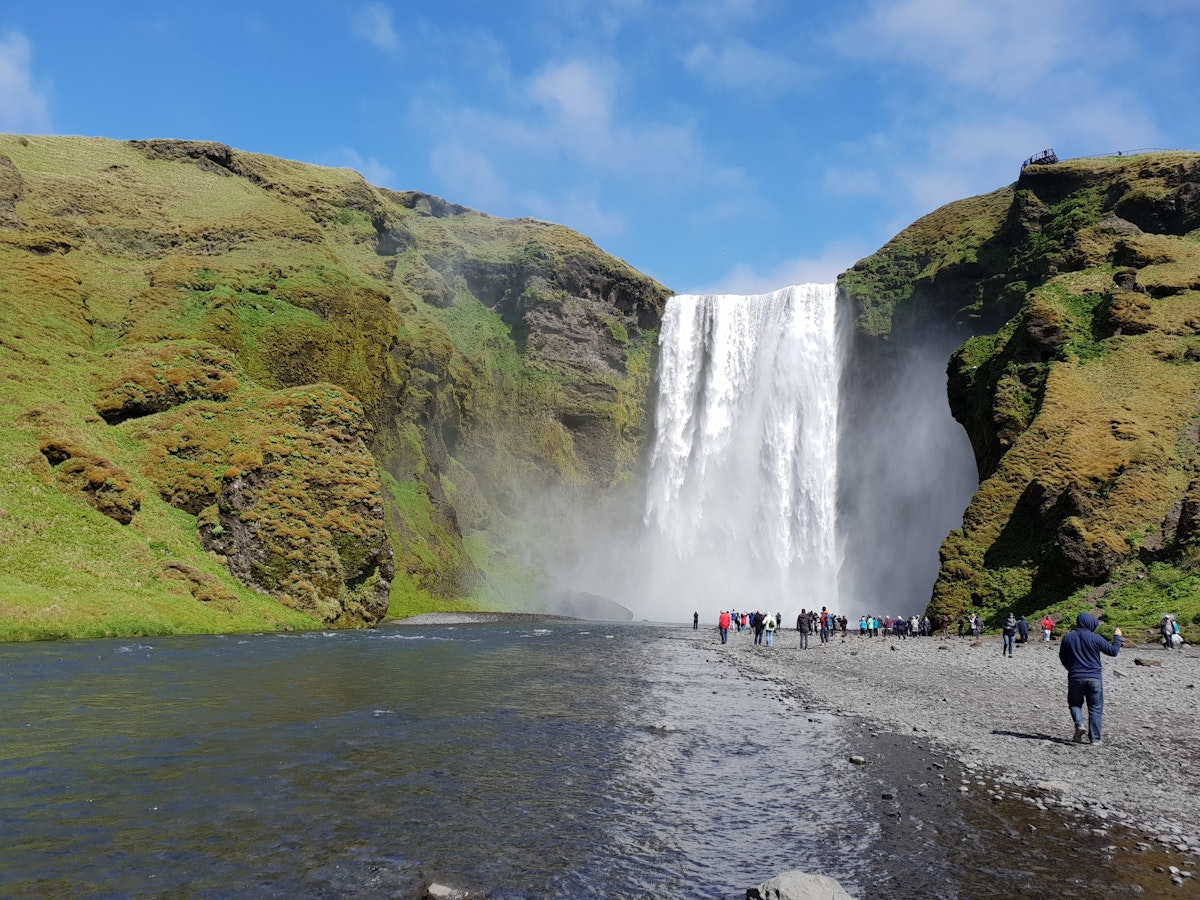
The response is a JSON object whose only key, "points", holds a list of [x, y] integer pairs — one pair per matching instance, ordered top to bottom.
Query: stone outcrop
{"points": [[797, 885]]}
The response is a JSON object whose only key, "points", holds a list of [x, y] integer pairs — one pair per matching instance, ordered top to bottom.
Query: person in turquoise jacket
{"points": [[1080, 654]]}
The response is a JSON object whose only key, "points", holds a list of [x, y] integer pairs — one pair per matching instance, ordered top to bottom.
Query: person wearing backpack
{"points": [[1169, 630]]}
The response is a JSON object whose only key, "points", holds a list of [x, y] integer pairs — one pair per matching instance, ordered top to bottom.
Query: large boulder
{"points": [[797, 885]]}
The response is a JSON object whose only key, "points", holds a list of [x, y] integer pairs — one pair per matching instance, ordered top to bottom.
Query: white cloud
{"points": [[373, 23], [1000, 49], [737, 64], [578, 99], [22, 106], [1108, 124], [564, 127], [369, 168], [468, 177], [578, 208], [824, 268]]}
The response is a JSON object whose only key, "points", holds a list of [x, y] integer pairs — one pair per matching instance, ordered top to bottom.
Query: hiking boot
{"points": [[1080, 731]]}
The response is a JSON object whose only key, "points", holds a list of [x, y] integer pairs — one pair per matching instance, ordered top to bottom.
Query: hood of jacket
{"points": [[1088, 621]]}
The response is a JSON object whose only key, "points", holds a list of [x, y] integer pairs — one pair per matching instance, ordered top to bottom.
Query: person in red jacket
{"points": [[723, 622], [1047, 627]]}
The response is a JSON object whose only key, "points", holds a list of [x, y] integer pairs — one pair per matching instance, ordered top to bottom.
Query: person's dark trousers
{"points": [[1091, 692]]}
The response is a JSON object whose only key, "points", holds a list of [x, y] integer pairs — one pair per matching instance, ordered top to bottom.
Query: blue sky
{"points": [[735, 145]]}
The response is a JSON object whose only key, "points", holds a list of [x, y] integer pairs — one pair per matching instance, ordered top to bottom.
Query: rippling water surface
{"points": [[566, 760]]}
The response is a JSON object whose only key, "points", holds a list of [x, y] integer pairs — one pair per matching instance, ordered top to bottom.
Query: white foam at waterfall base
{"points": [[742, 489]]}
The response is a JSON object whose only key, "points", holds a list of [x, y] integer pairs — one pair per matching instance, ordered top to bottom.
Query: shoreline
{"points": [[1007, 719]]}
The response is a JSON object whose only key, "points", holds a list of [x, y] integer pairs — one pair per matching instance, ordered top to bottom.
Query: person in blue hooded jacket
{"points": [[1080, 655]]}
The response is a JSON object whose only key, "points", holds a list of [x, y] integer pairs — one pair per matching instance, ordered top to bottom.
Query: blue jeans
{"points": [[724, 635], [770, 637], [1008, 645], [1091, 691]]}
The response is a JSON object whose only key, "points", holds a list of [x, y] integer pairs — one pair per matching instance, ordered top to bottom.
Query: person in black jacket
{"points": [[1010, 631]]}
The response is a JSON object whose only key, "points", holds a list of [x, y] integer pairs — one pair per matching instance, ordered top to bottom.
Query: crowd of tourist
{"points": [[826, 624]]}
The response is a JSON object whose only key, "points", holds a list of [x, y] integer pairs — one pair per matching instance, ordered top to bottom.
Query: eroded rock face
{"points": [[288, 495]]}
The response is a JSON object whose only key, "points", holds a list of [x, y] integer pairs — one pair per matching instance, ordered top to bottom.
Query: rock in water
{"points": [[798, 885]]}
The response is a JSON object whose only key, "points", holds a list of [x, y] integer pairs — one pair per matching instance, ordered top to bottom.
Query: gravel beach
{"points": [[1008, 717]]}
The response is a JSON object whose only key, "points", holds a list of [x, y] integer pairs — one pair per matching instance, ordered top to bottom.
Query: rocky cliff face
{"points": [[1076, 296], [277, 377]]}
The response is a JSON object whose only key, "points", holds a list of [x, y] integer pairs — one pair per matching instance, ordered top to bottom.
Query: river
{"points": [[557, 759]]}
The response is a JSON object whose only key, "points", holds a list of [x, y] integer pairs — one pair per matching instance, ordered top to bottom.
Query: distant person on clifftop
{"points": [[1080, 653]]}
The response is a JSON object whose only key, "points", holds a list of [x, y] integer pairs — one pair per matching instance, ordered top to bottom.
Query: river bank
{"points": [[1007, 718]]}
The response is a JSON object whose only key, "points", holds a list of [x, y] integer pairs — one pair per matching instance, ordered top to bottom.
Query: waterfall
{"points": [[742, 490]]}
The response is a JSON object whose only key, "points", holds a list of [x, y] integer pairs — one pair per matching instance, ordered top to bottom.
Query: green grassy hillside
{"points": [[1077, 292], [245, 393]]}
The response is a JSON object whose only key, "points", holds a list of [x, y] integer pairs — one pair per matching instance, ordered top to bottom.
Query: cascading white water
{"points": [[742, 492]]}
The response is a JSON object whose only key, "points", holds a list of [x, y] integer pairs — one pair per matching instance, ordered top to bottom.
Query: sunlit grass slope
{"points": [[245, 393]]}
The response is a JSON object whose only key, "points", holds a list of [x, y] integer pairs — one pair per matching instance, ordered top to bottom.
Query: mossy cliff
{"points": [[1074, 299], [241, 392]]}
